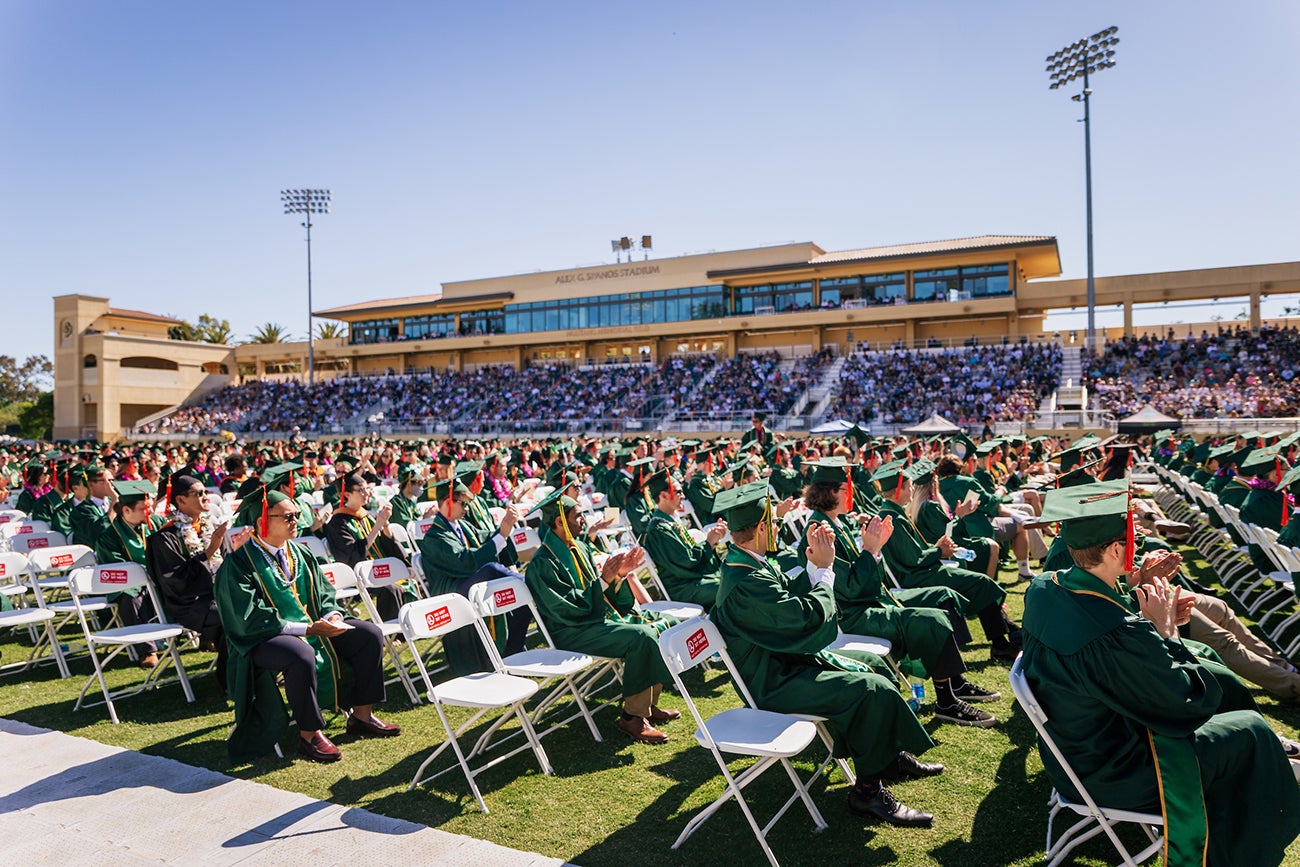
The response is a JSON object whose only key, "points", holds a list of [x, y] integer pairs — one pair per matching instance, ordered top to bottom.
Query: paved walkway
{"points": [[67, 800]]}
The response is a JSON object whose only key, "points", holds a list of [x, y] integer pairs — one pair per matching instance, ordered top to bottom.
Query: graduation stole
{"points": [[657, 515], [361, 526], [132, 538], [844, 538], [471, 540], [1178, 770]]}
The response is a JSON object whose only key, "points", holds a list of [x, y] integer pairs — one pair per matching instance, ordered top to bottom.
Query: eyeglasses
{"points": [[461, 503], [288, 517]]}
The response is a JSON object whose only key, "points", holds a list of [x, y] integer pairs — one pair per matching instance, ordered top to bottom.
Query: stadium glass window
{"points": [[986, 281], [935, 285], [863, 290], [773, 298], [483, 322], [420, 327], [373, 331]]}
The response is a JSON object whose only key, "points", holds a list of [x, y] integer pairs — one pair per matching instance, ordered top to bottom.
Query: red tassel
{"points": [[898, 487], [848, 492], [167, 495], [1286, 508], [266, 520], [1130, 538]]}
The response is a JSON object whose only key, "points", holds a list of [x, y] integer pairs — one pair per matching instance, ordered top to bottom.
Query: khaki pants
{"points": [[1214, 623], [641, 703]]}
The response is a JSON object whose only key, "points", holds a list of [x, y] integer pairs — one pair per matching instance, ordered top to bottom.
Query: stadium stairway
{"points": [[819, 396]]}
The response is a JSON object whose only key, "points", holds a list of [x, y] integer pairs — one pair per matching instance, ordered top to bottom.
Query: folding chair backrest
{"points": [[7, 515], [23, 526], [417, 529], [402, 538], [525, 538], [36, 541], [316, 546], [62, 558], [14, 569], [381, 572], [341, 577], [108, 578], [503, 595], [435, 617], [693, 643], [1029, 703]]}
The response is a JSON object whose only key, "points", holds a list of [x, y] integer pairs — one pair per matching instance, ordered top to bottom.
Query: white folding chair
{"points": [[7, 515], [22, 527], [417, 529], [403, 540], [526, 541], [28, 542], [317, 547], [51, 565], [385, 572], [648, 574], [114, 578], [344, 582], [503, 595], [37, 619], [486, 691], [768, 736], [1094, 819]]}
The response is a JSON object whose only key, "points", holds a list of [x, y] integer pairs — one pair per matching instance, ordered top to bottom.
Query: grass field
{"points": [[616, 802]]}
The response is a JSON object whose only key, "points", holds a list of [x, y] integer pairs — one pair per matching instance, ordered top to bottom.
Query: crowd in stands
{"points": [[1231, 373], [752, 382], [964, 386]]}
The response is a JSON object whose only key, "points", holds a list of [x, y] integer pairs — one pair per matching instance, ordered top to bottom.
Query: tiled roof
{"points": [[979, 242], [408, 301], [123, 313]]}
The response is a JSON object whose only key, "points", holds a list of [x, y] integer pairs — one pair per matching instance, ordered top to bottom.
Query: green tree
{"points": [[208, 329], [330, 331], [271, 332], [23, 382], [37, 418]]}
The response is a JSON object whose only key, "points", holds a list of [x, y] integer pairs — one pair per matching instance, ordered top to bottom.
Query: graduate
{"points": [[703, 486], [91, 517], [353, 536], [124, 541], [690, 571], [582, 610], [280, 616], [777, 629], [1145, 723]]}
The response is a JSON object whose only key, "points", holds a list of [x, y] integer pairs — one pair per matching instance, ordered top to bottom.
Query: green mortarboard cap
{"points": [[857, 435], [1086, 440], [1288, 440], [1189, 445], [962, 446], [987, 448], [900, 451], [704, 452], [1201, 452], [1219, 452], [622, 456], [1071, 457], [445, 460], [1260, 461], [468, 469], [93, 470], [738, 470], [829, 471], [920, 472], [405, 473], [77, 475], [887, 475], [276, 476], [1078, 476], [1290, 478], [658, 482], [444, 489], [130, 493], [551, 504], [743, 505], [1089, 514]]}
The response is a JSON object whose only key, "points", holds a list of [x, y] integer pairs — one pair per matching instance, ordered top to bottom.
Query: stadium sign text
{"points": [[608, 274]]}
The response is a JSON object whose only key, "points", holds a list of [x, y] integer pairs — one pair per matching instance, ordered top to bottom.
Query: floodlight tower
{"points": [[1078, 60], [307, 202]]}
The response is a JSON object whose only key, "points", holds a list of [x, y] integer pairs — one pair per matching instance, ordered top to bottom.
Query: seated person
{"points": [[406, 503], [990, 519], [353, 536], [123, 542], [182, 555], [455, 557], [916, 564], [689, 571], [578, 605], [866, 607], [279, 615], [777, 629], [1146, 724]]}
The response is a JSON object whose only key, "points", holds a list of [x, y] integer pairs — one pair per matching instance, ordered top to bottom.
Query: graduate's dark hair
{"points": [[948, 466], [353, 482], [180, 486], [822, 496]]}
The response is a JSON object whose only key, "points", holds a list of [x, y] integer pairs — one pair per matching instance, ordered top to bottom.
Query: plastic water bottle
{"points": [[965, 554], [918, 692]]}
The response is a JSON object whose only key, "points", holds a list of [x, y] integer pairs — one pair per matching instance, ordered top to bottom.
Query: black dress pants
{"points": [[361, 647]]}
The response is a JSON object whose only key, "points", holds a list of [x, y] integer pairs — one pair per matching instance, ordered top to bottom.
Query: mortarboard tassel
{"points": [[848, 492], [265, 521], [771, 526], [1130, 537]]}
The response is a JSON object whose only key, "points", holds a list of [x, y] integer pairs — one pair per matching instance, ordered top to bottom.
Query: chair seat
{"points": [[13, 590], [88, 604], [680, 610], [25, 616], [390, 628], [140, 634], [868, 643], [544, 662], [486, 689], [751, 732], [1112, 814]]}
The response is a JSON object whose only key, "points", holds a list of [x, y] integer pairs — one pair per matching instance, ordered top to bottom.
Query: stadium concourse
{"points": [[920, 703]]}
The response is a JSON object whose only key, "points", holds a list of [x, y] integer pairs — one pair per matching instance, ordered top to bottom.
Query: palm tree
{"points": [[330, 331], [269, 333]]}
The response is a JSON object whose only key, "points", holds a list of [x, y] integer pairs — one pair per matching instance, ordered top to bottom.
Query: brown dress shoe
{"points": [[150, 661], [659, 715], [372, 728], [639, 729], [319, 749]]}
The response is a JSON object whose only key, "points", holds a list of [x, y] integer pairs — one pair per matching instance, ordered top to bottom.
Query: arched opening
{"points": [[90, 361], [148, 362], [216, 367]]}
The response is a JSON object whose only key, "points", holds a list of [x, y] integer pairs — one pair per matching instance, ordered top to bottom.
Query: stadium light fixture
{"points": [[1079, 60], [307, 202]]}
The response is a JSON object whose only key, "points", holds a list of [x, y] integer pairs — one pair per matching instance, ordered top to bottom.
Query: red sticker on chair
{"points": [[5, 519], [23, 529], [520, 538], [45, 543], [58, 561], [382, 570], [329, 575], [109, 576], [502, 598], [438, 617], [697, 643]]}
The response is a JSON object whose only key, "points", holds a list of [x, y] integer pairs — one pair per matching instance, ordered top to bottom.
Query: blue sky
{"points": [[146, 142]]}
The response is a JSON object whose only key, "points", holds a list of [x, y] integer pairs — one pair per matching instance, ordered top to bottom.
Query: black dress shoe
{"points": [[1004, 654], [372, 728], [908, 765], [885, 807]]}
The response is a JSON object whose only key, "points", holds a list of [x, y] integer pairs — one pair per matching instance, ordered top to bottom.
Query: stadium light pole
{"points": [[1078, 60], [307, 202]]}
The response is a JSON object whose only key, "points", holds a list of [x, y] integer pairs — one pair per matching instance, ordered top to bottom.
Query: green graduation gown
{"points": [[702, 490], [88, 522], [932, 524], [121, 543], [916, 564], [690, 572], [566, 587], [256, 600], [777, 629], [1138, 716]]}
